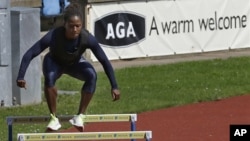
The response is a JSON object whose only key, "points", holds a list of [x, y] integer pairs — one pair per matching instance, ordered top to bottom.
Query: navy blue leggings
{"points": [[82, 70]]}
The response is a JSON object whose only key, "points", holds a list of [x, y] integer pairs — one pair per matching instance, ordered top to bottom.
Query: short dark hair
{"points": [[73, 9]]}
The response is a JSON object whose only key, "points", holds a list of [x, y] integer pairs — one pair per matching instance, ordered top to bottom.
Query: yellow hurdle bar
{"points": [[87, 118], [132, 118], [85, 136]]}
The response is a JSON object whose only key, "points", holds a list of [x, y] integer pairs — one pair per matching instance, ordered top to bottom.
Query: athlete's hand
{"points": [[21, 83], [115, 94]]}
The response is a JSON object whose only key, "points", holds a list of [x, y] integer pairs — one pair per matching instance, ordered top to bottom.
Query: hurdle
{"points": [[132, 118], [147, 135]]}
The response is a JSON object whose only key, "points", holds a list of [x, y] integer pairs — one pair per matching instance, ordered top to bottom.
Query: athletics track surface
{"points": [[206, 121]]}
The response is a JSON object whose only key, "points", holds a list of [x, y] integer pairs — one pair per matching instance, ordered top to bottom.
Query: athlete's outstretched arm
{"points": [[31, 53], [102, 58]]}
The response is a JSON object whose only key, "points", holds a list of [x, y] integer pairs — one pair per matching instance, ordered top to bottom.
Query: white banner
{"points": [[158, 28]]}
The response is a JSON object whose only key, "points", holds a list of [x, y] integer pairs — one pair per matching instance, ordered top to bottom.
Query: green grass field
{"points": [[145, 89]]}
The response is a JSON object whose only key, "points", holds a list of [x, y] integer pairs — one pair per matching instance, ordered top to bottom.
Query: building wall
{"points": [[5, 55]]}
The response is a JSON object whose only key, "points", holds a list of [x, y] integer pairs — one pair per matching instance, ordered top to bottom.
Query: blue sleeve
{"points": [[31, 53], [102, 58]]}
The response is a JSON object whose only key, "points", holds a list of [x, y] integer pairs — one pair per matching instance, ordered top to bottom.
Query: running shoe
{"points": [[77, 120], [54, 123]]}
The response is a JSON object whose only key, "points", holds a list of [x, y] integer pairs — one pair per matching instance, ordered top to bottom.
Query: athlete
{"points": [[66, 45]]}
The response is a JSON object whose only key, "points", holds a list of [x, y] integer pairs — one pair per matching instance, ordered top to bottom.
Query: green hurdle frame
{"points": [[132, 118]]}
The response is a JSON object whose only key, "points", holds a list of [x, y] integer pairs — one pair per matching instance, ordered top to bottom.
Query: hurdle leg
{"points": [[133, 119], [10, 126], [133, 128], [10, 133]]}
